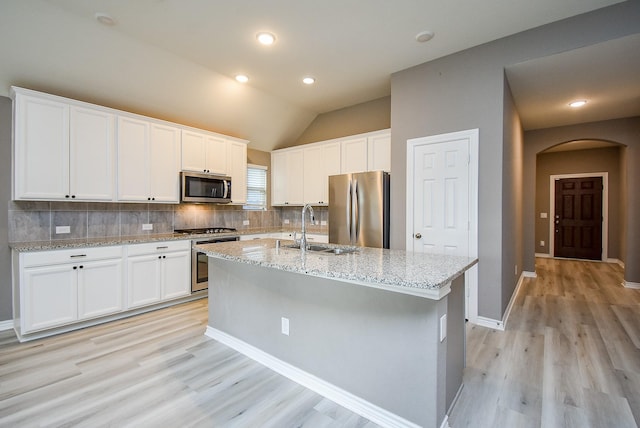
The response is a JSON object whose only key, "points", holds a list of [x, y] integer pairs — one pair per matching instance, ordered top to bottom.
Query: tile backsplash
{"points": [[37, 221]]}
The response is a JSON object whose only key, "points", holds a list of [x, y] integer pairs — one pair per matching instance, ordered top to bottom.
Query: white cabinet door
{"points": [[41, 148], [92, 150], [194, 151], [133, 153], [379, 153], [216, 155], [354, 155], [164, 164], [237, 165], [287, 176], [314, 192], [176, 274], [143, 280], [100, 288], [49, 297]]}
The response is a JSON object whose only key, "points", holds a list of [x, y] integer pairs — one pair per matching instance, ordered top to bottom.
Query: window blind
{"points": [[256, 187]]}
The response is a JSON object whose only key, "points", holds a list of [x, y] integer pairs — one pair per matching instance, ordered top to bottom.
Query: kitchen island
{"points": [[380, 332]]}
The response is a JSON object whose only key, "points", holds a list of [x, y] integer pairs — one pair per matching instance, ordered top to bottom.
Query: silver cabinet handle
{"points": [[418, 235], [162, 248], [77, 255]]}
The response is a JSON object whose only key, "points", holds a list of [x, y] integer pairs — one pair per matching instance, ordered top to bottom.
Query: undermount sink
{"points": [[324, 249]]}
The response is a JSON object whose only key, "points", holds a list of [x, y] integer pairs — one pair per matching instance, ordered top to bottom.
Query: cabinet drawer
{"points": [[158, 247], [53, 257]]}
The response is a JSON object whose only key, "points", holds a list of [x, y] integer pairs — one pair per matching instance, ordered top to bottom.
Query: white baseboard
{"points": [[543, 255], [617, 261], [629, 284], [489, 323], [502, 324], [6, 325], [338, 395]]}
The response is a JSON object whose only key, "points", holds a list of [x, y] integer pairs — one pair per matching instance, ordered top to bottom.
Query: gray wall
{"points": [[466, 90], [365, 117], [620, 131], [574, 162], [5, 195], [512, 195], [344, 333]]}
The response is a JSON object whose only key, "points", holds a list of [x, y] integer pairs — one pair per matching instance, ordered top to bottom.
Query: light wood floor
{"points": [[570, 356], [152, 370]]}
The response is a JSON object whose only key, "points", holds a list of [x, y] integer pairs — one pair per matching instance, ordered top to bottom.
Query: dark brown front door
{"points": [[578, 218]]}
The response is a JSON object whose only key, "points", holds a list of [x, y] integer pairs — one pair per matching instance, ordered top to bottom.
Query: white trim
{"points": [[473, 137], [605, 208], [544, 255], [616, 261], [633, 285], [489, 323], [6, 325], [502, 325], [338, 395], [445, 422]]}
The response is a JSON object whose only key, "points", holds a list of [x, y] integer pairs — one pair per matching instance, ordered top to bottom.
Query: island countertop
{"points": [[418, 274]]}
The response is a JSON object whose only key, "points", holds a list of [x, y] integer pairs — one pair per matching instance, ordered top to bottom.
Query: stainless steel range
{"points": [[199, 260]]}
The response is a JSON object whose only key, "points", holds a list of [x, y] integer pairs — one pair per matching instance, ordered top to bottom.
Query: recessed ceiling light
{"points": [[105, 19], [424, 36], [266, 38], [242, 78], [308, 80], [577, 103]]}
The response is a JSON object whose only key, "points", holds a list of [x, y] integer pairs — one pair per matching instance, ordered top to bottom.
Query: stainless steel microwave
{"points": [[198, 187]]}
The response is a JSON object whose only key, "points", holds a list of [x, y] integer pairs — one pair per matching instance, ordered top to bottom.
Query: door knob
{"points": [[418, 235]]}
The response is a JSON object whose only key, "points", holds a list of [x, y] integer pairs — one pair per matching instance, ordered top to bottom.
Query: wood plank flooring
{"points": [[570, 355], [153, 370]]}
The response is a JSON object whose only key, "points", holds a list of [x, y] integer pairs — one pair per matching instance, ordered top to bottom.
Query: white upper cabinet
{"points": [[66, 150], [92, 150], [62, 151], [379, 152], [203, 153], [354, 155], [148, 161], [320, 161], [237, 170], [301, 175], [287, 176]]}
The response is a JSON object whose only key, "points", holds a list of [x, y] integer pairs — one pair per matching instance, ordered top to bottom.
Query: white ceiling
{"points": [[176, 59], [605, 74]]}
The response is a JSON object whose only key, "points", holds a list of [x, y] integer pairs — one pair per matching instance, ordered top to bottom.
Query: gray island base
{"points": [[385, 352]]}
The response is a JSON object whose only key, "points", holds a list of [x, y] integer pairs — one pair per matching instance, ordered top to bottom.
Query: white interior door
{"points": [[442, 199]]}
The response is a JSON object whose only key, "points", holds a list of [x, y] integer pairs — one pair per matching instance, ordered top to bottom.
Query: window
{"points": [[256, 187]]}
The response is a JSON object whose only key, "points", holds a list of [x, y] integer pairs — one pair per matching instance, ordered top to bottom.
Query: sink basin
{"points": [[324, 249]]}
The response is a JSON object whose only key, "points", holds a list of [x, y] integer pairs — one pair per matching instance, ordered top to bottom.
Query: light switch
{"points": [[543, 215]]}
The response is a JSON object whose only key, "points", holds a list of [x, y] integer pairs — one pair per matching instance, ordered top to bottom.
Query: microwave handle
{"points": [[226, 188]]}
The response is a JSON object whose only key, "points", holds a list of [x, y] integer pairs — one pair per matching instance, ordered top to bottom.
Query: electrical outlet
{"points": [[543, 215], [286, 221], [245, 222], [323, 223], [147, 226], [63, 229], [542, 243], [515, 270], [285, 326], [443, 327]]}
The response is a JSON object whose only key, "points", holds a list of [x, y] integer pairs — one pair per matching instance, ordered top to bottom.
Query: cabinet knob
{"points": [[66, 196], [73, 196], [148, 199], [153, 199], [418, 235], [159, 257], [164, 257], [81, 266], [75, 267]]}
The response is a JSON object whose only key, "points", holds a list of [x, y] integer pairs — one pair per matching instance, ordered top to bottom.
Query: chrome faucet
{"points": [[303, 238]]}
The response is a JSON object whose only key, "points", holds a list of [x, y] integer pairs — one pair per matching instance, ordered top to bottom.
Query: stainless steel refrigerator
{"points": [[359, 209]]}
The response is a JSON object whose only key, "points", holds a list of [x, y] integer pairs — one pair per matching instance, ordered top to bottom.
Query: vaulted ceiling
{"points": [[176, 59]]}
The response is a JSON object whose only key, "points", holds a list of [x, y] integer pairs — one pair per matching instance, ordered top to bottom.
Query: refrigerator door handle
{"points": [[348, 207], [356, 215]]}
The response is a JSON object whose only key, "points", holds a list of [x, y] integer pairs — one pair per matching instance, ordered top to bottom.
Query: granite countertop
{"points": [[25, 247], [418, 274]]}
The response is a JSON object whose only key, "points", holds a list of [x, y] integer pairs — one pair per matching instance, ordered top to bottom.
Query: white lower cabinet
{"points": [[158, 271], [65, 286], [58, 288]]}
